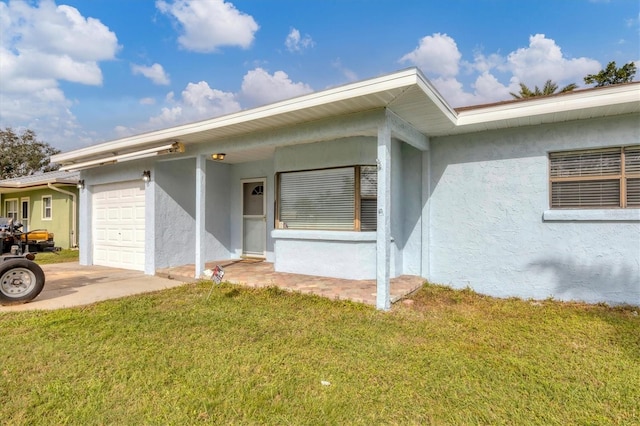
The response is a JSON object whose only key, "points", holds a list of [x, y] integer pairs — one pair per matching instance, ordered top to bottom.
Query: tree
{"points": [[612, 75], [549, 88], [23, 155]]}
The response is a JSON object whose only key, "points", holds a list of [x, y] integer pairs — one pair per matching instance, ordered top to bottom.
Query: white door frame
{"points": [[263, 181], [25, 223]]}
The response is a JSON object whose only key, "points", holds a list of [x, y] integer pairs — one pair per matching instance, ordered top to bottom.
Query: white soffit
{"points": [[407, 93], [361, 96], [584, 104]]}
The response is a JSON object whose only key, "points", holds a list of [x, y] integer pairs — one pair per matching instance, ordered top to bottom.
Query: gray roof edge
{"points": [[56, 176]]}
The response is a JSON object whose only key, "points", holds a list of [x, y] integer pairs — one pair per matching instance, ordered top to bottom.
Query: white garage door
{"points": [[118, 225]]}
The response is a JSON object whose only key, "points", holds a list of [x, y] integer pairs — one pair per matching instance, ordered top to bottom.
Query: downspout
{"points": [[74, 243]]}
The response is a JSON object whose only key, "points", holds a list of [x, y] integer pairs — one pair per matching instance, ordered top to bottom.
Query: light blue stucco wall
{"points": [[489, 193], [411, 215], [175, 217], [174, 225], [326, 253], [352, 255]]}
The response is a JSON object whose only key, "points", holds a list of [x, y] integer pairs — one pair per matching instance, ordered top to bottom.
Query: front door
{"points": [[24, 214], [254, 219]]}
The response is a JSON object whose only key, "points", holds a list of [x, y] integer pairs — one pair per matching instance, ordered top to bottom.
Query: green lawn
{"points": [[48, 257], [247, 356]]}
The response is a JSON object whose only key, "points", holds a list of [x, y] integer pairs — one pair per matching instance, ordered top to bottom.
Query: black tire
{"points": [[21, 280]]}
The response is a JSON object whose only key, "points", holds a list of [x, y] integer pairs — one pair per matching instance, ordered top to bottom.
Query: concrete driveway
{"points": [[69, 284]]}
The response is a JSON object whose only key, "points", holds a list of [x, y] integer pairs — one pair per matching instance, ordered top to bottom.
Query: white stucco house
{"points": [[534, 198]]}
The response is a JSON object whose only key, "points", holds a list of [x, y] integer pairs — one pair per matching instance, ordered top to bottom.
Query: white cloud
{"points": [[207, 25], [58, 36], [296, 43], [71, 46], [437, 54], [438, 57], [543, 60], [154, 73], [260, 88], [147, 101], [198, 101], [208, 102]]}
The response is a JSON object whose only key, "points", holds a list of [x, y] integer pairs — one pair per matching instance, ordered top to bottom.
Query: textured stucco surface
{"points": [[489, 194], [175, 196], [472, 211], [176, 218], [330, 257], [327, 258], [355, 258]]}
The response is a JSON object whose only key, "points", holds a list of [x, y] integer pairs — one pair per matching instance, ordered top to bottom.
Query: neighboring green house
{"points": [[44, 201]]}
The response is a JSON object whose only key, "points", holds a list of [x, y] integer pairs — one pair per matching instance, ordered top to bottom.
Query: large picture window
{"points": [[597, 178], [329, 199]]}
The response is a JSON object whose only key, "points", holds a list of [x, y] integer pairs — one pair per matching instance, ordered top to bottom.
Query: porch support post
{"points": [[406, 132], [201, 174], [383, 233]]}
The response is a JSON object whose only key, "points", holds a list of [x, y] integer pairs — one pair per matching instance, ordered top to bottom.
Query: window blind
{"points": [[603, 162], [632, 171], [596, 178], [585, 194], [368, 198], [318, 199]]}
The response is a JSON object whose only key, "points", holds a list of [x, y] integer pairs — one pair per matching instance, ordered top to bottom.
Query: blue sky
{"points": [[80, 72]]}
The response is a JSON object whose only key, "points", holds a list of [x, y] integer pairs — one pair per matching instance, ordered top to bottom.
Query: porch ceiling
{"points": [[407, 93]]}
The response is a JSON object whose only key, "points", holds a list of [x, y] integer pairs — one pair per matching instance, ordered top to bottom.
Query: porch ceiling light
{"points": [[171, 148], [218, 156], [146, 175], [80, 184]]}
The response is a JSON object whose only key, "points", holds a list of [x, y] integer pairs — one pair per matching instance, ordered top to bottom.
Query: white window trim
{"points": [[28, 201], [17, 210], [593, 215], [44, 217], [311, 234]]}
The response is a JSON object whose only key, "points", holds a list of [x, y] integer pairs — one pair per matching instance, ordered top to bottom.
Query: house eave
{"points": [[374, 93], [407, 93], [619, 100], [38, 181], [10, 188]]}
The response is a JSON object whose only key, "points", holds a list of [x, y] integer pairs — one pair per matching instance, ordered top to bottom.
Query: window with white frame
{"points": [[595, 178], [328, 199], [11, 208], [47, 208]]}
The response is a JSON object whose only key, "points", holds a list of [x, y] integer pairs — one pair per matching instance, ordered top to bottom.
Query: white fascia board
{"points": [[396, 80], [622, 94], [437, 99], [30, 182], [35, 184]]}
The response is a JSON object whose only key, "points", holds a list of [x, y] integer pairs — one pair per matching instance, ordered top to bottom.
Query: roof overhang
{"points": [[407, 93], [578, 105], [43, 180]]}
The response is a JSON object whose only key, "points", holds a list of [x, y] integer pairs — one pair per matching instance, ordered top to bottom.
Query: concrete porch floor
{"points": [[258, 273]]}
